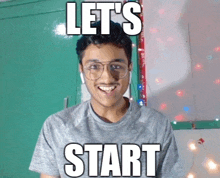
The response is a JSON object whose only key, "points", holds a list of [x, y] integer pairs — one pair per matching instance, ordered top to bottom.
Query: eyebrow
{"points": [[115, 60]]}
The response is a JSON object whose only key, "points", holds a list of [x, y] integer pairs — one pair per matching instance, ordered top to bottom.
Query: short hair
{"points": [[117, 37]]}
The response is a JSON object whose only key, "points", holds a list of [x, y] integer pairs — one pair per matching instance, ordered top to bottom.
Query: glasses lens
{"points": [[118, 69], [93, 70]]}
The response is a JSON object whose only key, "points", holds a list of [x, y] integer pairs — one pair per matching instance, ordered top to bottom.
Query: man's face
{"points": [[108, 88]]}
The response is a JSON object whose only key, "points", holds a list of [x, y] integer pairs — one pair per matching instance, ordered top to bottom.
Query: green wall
{"points": [[38, 69], [135, 93]]}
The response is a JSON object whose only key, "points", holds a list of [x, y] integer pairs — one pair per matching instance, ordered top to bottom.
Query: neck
{"points": [[112, 113]]}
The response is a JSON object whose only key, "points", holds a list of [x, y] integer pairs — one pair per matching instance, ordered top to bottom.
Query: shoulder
{"points": [[72, 114], [148, 115], [152, 115], [154, 121]]}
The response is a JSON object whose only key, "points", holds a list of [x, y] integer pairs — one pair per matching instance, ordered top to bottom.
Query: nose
{"points": [[106, 75]]}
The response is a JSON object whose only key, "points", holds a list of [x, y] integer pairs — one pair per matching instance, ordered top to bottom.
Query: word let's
{"points": [[128, 10], [130, 153]]}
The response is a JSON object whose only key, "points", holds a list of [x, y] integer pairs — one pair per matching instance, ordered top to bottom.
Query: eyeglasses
{"points": [[94, 70]]}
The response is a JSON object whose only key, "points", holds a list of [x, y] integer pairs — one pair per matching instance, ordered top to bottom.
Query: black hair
{"points": [[116, 37]]}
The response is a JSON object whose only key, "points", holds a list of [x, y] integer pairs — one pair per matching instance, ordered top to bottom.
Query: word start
{"points": [[128, 10], [130, 163]]}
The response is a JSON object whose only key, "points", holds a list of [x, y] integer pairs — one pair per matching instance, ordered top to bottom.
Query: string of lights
{"points": [[181, 121], [209, 163]]}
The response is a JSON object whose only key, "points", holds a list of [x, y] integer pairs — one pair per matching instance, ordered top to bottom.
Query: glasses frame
{"points": [[108, 68]]}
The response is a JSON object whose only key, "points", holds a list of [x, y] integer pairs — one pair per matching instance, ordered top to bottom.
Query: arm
{"points": [[44, 158], [169, 165]]}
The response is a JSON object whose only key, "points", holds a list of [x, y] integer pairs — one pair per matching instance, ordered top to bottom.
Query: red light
{"points": [[161, 11], [153, 30], [217, 49], [198, 66], [217, 81], [180, 93], [163, 106], [180, 117]]}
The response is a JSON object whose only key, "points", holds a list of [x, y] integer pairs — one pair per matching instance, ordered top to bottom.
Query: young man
{"points": [[107, 118]]}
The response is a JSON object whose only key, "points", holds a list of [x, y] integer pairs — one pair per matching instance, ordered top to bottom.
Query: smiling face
{"points": [[108, 89]]}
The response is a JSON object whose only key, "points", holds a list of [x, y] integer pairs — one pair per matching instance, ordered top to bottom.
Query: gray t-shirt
{"points": [[80, 124]]}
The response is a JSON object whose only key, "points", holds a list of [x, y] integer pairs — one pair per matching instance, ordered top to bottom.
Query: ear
{"points": [[130, 67], [80, 68]]}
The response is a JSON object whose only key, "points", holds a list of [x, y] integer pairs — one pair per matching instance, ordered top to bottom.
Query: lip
{"points": [[107, 94]]}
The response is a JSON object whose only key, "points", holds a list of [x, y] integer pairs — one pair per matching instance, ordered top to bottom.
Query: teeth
{"points": [[107, 89]]}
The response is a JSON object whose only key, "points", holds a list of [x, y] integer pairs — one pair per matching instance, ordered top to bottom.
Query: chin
{"points": [[108, 102]]}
